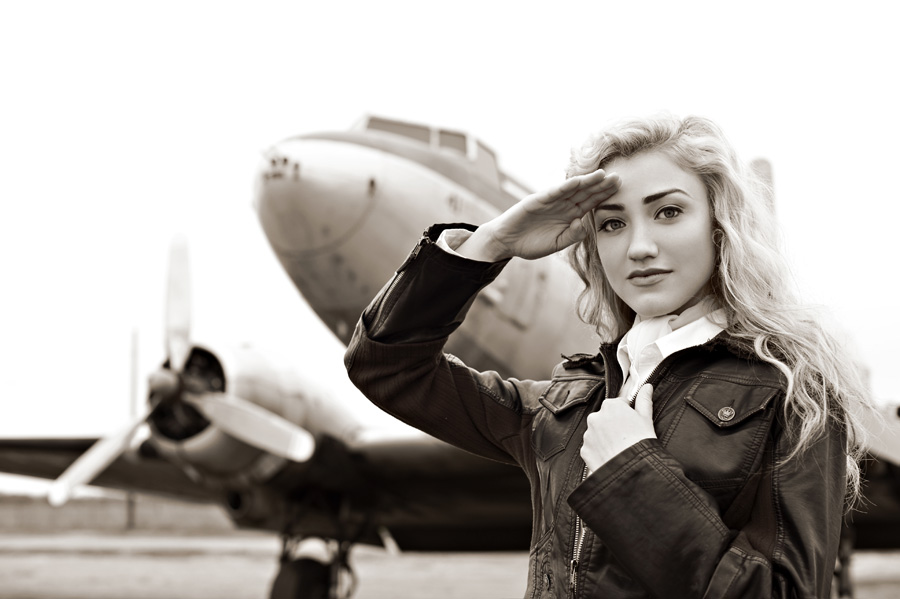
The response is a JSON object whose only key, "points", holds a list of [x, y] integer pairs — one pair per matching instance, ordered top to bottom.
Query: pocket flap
{"points": [[563, 394], [727, 403]]}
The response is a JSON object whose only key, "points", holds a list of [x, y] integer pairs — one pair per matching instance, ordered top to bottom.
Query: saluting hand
{"points": [[542, 223], [616, 427]]}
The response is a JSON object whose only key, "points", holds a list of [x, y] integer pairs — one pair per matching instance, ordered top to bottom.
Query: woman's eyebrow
{"points": [[655, 196], [648, 200]]}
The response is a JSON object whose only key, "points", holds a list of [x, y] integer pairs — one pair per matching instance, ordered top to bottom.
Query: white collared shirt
{"points": [[450, 239], [651, 340]]}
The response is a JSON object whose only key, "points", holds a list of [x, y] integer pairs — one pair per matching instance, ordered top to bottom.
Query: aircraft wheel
{"points": [[302, 578]]}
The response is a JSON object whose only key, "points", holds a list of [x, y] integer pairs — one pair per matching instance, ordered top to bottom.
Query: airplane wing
{"points": [[131, 471], [426, 494]]}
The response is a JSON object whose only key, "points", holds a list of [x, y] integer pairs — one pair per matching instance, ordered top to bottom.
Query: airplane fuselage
{"points": [[342, 210]]}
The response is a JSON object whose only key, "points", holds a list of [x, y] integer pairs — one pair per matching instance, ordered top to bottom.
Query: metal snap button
{"points": [[726, 414]]}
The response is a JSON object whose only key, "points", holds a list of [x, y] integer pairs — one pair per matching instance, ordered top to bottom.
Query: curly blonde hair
{"points": [[751, 280]]}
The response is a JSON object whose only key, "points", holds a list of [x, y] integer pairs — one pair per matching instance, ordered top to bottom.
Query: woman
{"points": [[708, 449]]}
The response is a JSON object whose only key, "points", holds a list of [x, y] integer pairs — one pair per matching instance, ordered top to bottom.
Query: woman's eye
{"points": [[669, 212], [611, 225]]}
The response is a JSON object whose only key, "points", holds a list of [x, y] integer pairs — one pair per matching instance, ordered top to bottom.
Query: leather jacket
{"points": [[708, 509]]}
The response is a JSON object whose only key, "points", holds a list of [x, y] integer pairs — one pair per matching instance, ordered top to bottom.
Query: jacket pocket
{"points": [[553, 426], [720, 430]]}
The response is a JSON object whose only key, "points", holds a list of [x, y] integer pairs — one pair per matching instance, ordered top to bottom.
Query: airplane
{"points": [[283, 452]]}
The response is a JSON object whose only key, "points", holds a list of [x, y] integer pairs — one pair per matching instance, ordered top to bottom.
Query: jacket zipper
{"points": [[398, 276], [580, 528], [579, 543]]}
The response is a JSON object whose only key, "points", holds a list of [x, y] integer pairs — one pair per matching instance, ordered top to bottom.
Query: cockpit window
{"points": [[416, 132], [452, 140], [459, 150]]}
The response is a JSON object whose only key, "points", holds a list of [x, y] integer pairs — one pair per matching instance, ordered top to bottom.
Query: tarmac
{"points": [[141, 565]]}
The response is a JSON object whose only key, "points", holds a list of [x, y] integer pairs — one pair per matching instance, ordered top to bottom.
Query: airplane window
{"points": [[416, 132], [452, 140]]}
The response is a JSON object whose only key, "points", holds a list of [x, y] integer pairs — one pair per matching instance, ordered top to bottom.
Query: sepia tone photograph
{"points": [[368, 300]]}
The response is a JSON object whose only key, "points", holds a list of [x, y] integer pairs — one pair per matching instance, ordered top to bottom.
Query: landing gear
{"points": [[312, 568], [302, 578]]}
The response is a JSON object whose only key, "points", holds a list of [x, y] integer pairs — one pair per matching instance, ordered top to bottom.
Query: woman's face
{"points": [[654, 236]]}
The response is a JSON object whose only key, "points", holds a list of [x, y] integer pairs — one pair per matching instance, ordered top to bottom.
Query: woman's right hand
{"points": [[542, 223]]}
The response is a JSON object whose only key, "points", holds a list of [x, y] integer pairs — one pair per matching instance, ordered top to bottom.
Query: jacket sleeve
{"points": [[396, 358], [669, 534]]}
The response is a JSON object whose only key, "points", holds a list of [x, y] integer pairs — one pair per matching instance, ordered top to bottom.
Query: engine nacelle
{"points": [[183, 435]]}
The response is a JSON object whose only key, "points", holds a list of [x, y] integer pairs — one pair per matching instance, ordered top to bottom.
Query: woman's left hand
{"points": [[616, 427]]}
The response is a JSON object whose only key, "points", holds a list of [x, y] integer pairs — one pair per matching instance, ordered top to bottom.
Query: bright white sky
{"points": [[121, 125]]}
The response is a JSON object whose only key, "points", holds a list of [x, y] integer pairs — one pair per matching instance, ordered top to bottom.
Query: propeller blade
{"points": [[178, 305], [255, 425], [92, 462]]}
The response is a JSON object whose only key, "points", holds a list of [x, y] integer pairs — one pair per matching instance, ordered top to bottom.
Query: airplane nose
{"points": [[310, 200]]}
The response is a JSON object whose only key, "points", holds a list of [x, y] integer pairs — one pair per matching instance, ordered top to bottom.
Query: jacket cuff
{"points": [[430, 294]]}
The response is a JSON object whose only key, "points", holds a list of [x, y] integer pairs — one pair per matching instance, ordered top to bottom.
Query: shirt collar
{"points": [[671, 333]]}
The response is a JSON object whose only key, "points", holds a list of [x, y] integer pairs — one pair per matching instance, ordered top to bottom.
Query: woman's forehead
{"points": [[649, 175]]}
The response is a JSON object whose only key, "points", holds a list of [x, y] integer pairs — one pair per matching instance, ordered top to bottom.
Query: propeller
{"points": [[178, 306], [236, 416], [246, 421], [92, 462]]}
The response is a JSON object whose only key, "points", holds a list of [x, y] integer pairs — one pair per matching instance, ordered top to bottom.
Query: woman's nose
{"points": [[642, 245]]}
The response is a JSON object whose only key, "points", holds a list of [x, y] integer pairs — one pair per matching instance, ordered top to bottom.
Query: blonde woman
{"points": [[709, 448]]}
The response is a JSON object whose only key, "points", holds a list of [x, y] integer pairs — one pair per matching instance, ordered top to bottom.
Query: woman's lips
{"points": [[647, 277]]}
